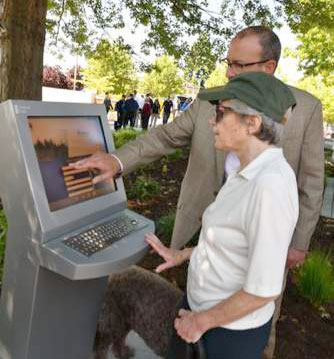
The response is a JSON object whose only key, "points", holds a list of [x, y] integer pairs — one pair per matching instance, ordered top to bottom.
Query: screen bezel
{"points": [[75, 215]]}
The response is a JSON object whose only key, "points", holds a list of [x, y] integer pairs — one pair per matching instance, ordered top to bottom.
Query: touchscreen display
{"points": [[58, 141]]}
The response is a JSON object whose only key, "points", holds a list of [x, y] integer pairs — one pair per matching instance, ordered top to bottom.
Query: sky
{"points": [[288, 66]]}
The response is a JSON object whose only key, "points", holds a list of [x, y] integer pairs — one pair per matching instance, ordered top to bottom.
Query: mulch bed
{"points": [[303, 331]]}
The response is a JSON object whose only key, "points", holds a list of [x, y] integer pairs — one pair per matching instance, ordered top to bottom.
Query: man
{"points": [[253, 49], [149, 97], [140, 100], [107, 102], [186, 104], [167, 106], [119, 107], [130, 111]]}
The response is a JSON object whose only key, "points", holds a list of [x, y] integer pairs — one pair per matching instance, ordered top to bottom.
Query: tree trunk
{"points": [[21, 48]]}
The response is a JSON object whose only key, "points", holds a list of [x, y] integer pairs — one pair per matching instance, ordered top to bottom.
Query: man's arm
{"points": [[163, 140], [160, 141], [310, 187]]}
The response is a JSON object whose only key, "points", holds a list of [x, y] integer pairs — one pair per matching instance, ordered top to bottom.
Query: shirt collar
{"points": [[254, 167]]}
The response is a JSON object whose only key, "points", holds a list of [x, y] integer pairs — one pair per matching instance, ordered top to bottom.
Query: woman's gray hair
{"points": [[270, 131]]}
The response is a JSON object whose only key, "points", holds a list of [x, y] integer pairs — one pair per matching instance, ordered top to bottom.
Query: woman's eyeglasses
{"points": [[220, 110]]}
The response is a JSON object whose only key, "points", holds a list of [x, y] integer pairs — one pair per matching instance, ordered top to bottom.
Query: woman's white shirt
{"points": [[245, 237]]}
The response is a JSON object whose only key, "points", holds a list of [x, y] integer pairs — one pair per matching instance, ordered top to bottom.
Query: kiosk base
{"points": [[63, 323]]}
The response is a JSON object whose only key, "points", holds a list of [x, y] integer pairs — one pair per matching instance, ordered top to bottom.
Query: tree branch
{"points": [[60, 19]]}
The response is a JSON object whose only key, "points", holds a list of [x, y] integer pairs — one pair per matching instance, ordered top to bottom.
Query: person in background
{"points": [[255, 48], [149, 97], [140, 100], [107, 103], [180, 104], [186, 104], [167, 106], [119, 107], [175, 107], [130, 111], [155, 112], [146, 113], [237, 269]]}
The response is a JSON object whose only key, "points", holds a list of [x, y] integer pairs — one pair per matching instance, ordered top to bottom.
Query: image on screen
{"points": [[59, 141]]}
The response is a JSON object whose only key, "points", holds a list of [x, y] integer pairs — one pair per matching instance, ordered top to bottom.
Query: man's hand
{"points": [[107, 164], [296, 257], [190, 326]]}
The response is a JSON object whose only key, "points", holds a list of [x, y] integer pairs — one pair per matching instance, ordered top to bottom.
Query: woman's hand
{"points": [[172, 257], [190, 326]]}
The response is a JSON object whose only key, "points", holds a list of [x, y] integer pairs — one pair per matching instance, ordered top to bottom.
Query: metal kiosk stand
{"points": [[66, 235]]}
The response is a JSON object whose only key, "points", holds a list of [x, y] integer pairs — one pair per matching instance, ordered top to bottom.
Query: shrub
{"points": [[125, 135], [175, 155], [328, 155], [170, 158], [329, 169], [143, 189], [165, 225], [3, 232], [316, 279]]}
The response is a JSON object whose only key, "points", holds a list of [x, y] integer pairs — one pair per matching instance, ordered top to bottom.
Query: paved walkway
{"points": [[138, 127], [142, 351]]}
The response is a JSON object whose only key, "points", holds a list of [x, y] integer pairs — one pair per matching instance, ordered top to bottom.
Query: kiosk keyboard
{"points": [[96, 239]]}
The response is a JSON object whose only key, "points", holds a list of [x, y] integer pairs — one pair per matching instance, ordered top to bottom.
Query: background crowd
{"points": [[134, 108]]}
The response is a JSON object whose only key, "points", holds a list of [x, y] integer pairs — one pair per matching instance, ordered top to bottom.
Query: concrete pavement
{"points": [[142, 351]]}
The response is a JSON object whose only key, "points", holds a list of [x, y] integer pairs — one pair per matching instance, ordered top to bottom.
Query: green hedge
{"points": [[121, 137], [329, 169], [316, 278]]}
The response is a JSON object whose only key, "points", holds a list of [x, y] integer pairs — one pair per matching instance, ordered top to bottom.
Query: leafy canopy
{"points": [[303, 15], [313, 23], [169, 24], [202, 58], [111, 69], [217, 76], [164, 79], [317, 87]]}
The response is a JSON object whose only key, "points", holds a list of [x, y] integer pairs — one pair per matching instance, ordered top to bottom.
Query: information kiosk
{"points": [[66, 234]]}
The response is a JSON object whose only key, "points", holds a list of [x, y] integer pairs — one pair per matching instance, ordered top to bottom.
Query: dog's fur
{"points": [[138, 300]]}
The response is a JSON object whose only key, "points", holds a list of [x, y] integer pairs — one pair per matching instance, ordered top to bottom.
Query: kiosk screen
{"points": [[58, 141]]}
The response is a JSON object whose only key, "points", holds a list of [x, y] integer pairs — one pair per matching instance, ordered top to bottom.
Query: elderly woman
{"points": [[236, 271]]}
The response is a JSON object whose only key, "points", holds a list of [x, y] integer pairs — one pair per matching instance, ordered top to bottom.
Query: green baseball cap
{"points": [[261, 91]]}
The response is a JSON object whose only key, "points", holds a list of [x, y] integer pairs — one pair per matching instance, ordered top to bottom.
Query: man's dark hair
{"points": [[269, 41]]}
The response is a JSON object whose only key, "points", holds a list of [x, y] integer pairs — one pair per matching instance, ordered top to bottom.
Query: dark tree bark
{"points": [[21, 48]]}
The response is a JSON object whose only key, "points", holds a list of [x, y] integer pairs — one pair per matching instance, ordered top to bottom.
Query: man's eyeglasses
{"points": [[234, 65]]}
